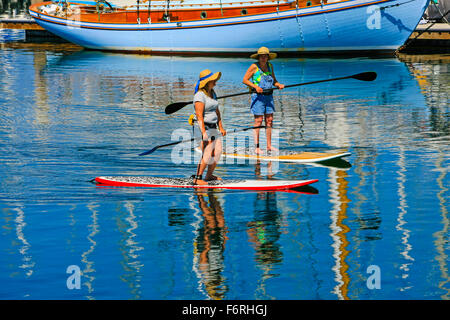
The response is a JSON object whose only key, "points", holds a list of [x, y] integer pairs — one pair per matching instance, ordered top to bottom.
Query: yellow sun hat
{"points": [[264, 50], [205, 77]]}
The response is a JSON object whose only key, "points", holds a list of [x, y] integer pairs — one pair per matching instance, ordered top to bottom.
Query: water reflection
{"points": [[432, 75], [41, 90], [330, 113], [66, 117], [266, 169], [402, 223], [127, 224], [339, 231], [264, 232], [442, 237], [209, 245], [27, 260], [89, 270]]}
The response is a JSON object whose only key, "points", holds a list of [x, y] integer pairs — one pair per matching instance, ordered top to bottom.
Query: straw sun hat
{"points": [[264, 50], [206, 76]]}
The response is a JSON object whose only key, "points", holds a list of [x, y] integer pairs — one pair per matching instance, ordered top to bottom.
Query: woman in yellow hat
{"points": [[260, 76], [210, 123]]}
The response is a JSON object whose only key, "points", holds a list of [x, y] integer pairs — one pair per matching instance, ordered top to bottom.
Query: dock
{"points": [[21, 23], [32, 29], [435, 31], [426, 37]]}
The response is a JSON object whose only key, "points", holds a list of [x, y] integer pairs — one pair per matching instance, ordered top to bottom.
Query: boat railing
{"points": [[103, 11]]}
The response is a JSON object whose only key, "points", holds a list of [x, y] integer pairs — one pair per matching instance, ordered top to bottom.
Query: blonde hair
{"points": [[206, 92]]}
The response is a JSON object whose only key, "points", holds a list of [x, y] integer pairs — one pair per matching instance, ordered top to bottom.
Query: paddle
{"points": [[364, 76], [193, 139]]}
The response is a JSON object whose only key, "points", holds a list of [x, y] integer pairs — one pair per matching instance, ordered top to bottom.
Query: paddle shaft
{"points": [[364, 76], [288, 86], [193, 139]]}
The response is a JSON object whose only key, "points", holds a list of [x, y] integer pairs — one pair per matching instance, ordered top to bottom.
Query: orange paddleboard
{"points": [[301, 157]]}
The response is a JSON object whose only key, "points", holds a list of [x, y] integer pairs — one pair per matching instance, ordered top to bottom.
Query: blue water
{"points": [[69, 115]]}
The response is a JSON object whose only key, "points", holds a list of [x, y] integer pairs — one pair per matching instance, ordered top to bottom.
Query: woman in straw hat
{"points": [[261, 77], [210, 123]]}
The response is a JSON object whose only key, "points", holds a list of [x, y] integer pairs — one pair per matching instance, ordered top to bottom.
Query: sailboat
{"points": [[224, 27]]}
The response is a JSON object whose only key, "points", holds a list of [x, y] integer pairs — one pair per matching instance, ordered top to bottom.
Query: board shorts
{"points": [[262, 104], [212, 132]]}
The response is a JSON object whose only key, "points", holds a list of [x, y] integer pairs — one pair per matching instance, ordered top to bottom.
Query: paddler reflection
{"points": [[266, 170], [264, 232], [210, 244]]}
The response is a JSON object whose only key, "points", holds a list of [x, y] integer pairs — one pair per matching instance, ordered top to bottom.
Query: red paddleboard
{"points": [[159, 182]]}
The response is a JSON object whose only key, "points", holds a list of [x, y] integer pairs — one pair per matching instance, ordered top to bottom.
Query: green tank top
{"points": [[256, 78]]}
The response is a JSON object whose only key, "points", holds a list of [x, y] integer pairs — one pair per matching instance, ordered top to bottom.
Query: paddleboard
{"points": [[301, 157], [160, 182]]}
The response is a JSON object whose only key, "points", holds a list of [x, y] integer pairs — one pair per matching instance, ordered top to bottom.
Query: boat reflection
{"points": [[339, 231], [441, 236], [130, 249], [28, 265], [89, 271]]}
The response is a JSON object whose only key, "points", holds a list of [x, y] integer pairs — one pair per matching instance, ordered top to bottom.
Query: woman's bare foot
{"points": [[272, 149], [258, 151], [212, 177], [200, 182]]}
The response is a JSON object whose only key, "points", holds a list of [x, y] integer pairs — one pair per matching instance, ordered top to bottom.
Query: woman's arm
{"points": [[250, 72], [199, 109], [219, 122]]}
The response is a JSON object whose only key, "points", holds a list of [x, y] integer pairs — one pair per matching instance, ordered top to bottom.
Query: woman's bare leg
{"points": [[258, 122], [269, 123], [216, 154]]}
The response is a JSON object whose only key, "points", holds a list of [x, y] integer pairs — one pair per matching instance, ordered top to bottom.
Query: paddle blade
{"points": [[365, 76], [174, 107]]}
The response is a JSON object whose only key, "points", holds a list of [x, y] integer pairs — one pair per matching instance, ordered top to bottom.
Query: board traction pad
{"points": [[167, 181]]}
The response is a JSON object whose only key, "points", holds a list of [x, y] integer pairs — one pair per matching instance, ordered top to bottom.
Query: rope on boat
{"points": [[439, 10], [166, 14], [149, 17], [138, 18], [297, 18], [326, 20], [280, 30]]}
